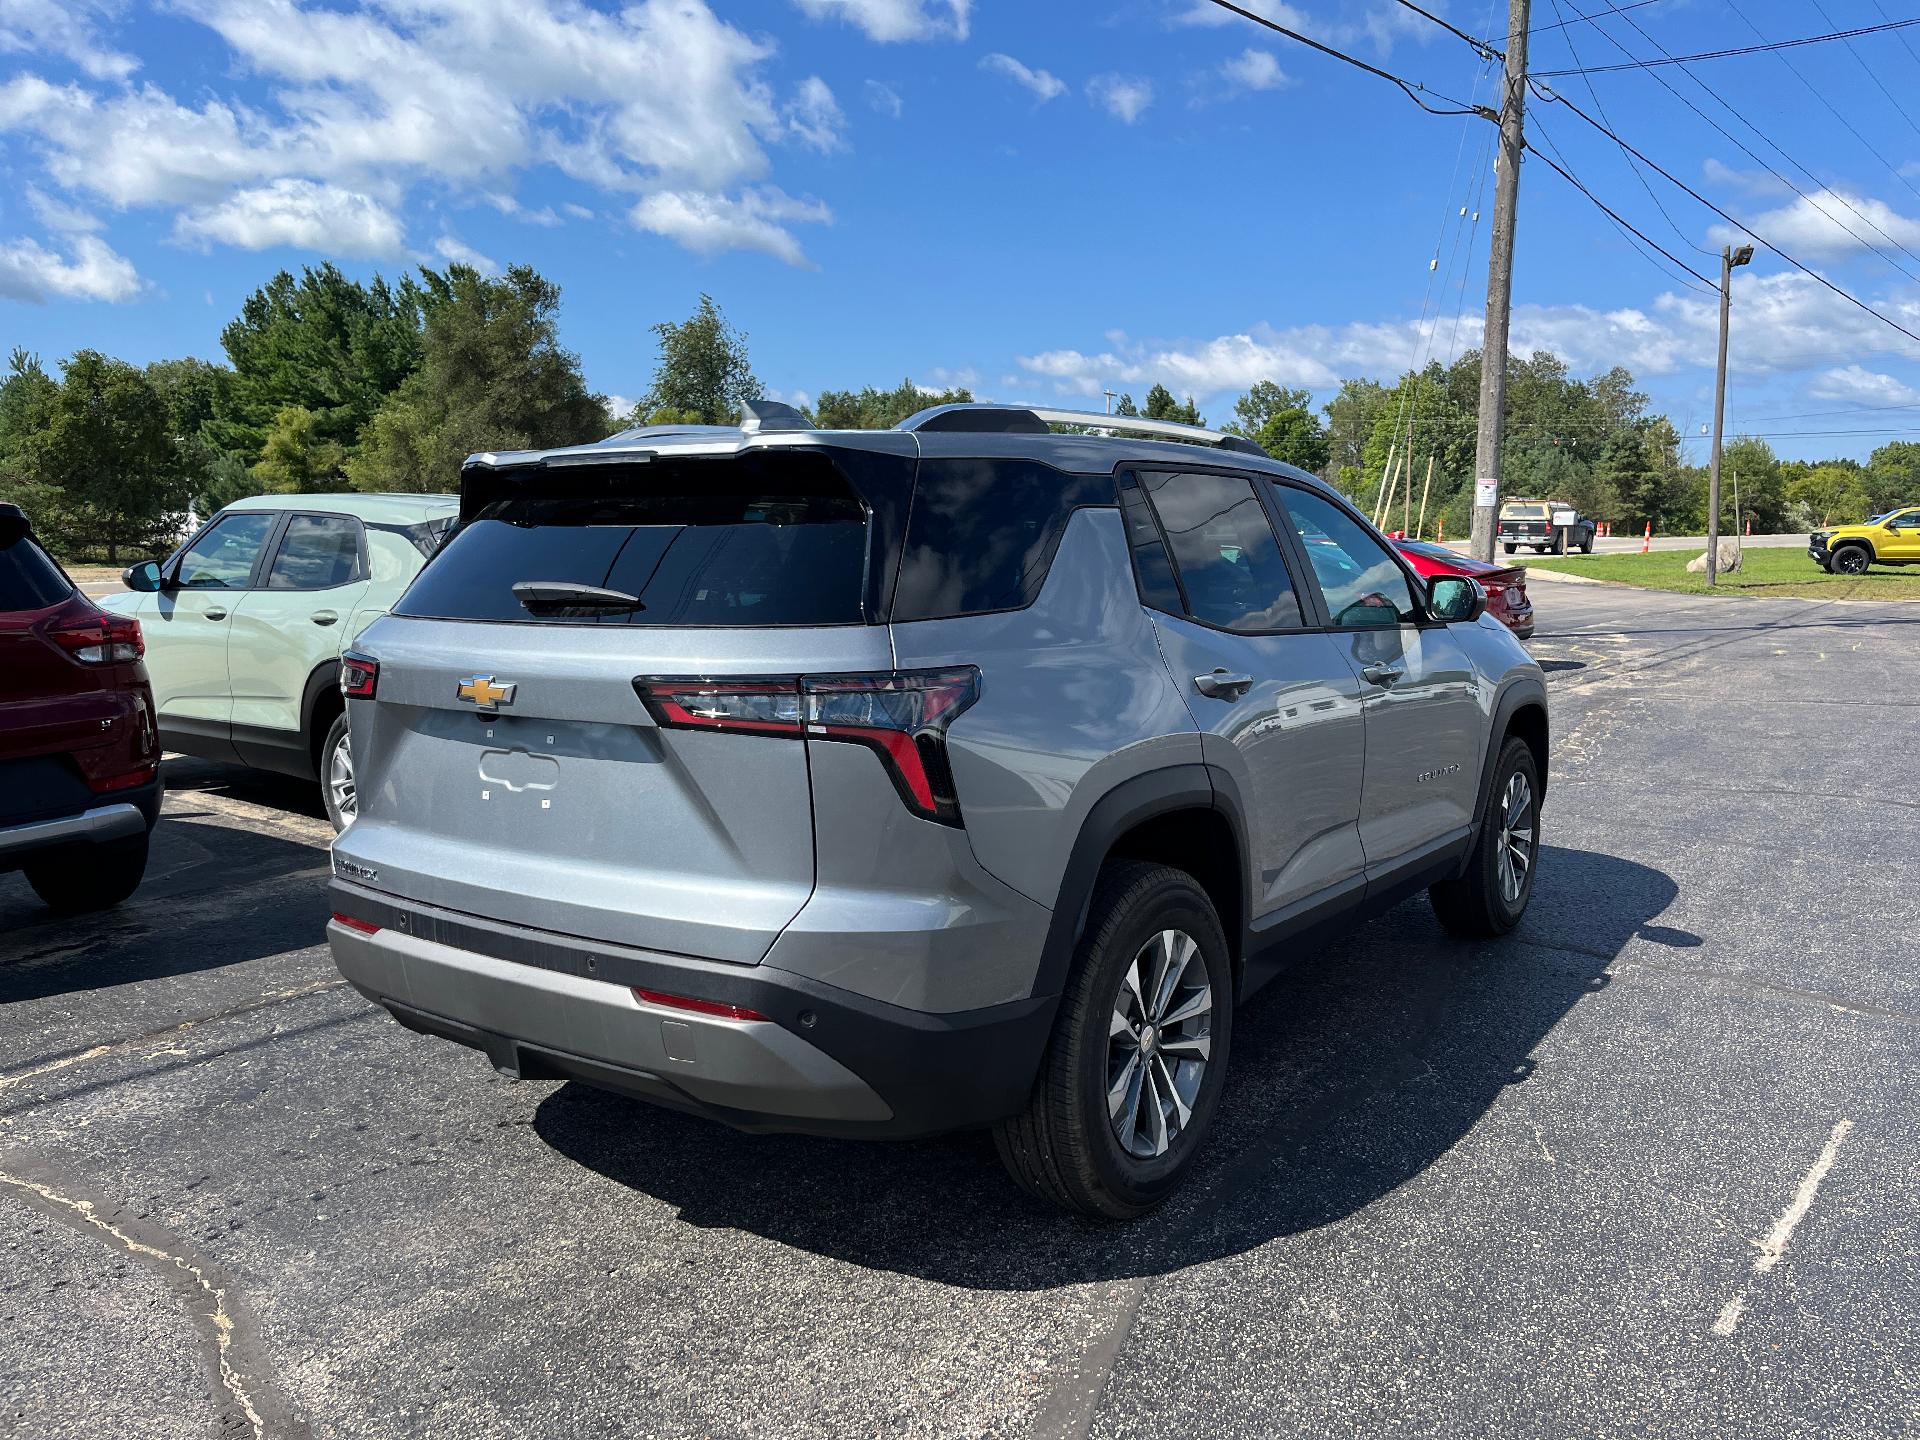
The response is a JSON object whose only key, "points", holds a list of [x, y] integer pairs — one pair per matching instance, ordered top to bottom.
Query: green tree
{"points": [[323, 343], [703, 368], [492, 376], [27, 398], [1261, 403], [1125, 406], [1162, 406], [871, 409], [1351, 416], [1294, 436], [106, 442], [297, 458], [1750, 461], [1627, 462], [1893, 475], [225, 479], [1834, 494]]}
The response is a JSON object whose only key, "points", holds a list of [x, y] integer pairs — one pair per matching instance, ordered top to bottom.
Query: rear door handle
{"points": [[323, 617], [1383, 674], [1223, 686]]}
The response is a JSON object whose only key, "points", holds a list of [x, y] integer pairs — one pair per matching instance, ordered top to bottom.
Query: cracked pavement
{"points": [[1505, 1189]]}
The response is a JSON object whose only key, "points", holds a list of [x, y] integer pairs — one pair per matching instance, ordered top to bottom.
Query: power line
{"points": [[1589, 20], [1846, 35], [1854, 50], [1487, 52], [1412, 88], [1548, 94], [1747, 150], [1638, 173], [1610, 213]]}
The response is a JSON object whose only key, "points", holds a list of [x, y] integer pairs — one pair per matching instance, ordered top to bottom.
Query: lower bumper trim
{"points": [[95, 826]]}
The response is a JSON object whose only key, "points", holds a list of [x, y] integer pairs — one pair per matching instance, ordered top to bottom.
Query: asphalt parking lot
{"points": [[1647, 1167]]}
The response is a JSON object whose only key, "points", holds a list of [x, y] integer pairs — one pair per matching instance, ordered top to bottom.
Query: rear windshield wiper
{"points": [[564, 597]]}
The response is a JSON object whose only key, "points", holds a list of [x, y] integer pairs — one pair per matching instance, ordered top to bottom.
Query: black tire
{"points": [[1560, 543], [1586, 546], [1510, 548], [1851, 560], [339, 814], [94, 878], [1478, 905], [1064, 1148]]}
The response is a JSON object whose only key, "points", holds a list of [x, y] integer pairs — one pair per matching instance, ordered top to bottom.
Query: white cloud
{"points": [[892, 20], [1380, 25], [63, 28], [1254, 70], [1044, 84], [656, 95], [1125, 97], [884, 100], [813, 116], [1757, 182], [507, 205], [578, 212], [300, 213], [56, 214], [707, 223], [1826, 224], [456, 251], [29, 271], [1858, 385]]}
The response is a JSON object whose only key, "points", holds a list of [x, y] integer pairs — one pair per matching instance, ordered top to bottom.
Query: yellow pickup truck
{"points": [[1889, 539]]}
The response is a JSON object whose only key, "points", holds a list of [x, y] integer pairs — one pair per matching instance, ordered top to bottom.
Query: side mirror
{"points": [[144, 577], [1456, 597]]}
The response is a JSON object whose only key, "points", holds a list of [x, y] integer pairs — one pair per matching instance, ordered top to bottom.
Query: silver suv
{"points": [[970, 773]]}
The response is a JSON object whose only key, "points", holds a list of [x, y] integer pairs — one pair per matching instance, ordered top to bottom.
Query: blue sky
{"points": [[1038, 200]]}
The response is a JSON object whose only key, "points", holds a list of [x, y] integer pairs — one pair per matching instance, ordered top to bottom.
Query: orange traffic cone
{"points": [[1443, 530], [1646, 543]]}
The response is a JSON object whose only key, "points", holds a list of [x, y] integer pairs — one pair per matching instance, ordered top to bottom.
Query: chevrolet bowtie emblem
{"points": [[482, 691]]}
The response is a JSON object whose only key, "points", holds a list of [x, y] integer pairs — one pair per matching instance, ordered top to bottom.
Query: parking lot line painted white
{"points": [[1775, 1244]]}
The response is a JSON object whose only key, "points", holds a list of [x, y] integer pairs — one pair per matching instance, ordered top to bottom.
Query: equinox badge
{"points": [[484, 692]]}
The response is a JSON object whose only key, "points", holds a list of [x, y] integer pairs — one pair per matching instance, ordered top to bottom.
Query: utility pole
{"points": [[1729, 257], [1493, 347], [1110, 400]]}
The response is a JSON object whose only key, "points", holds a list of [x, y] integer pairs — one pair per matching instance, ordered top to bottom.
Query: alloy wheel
{"points": [[340, 783], [1518, 834], [1159, 1040]]}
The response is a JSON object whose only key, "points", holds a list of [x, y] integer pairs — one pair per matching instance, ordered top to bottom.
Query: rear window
{"points": [[1523, 512], [981, 534], [758, 541], [29, 580]]}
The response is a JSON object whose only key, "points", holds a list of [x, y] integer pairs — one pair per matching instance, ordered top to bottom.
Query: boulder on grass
{"points": [[1729, 559]]}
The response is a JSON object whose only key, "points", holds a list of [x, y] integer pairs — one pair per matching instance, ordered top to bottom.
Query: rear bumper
{"points": [[126, 815], [825, 1061]]}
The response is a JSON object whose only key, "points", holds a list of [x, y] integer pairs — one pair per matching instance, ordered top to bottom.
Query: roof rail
{"points": [[1035, 420]]}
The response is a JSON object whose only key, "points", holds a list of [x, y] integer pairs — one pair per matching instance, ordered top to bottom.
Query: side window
{"points": [[1909, 521], [982, 533], [1225, 551], [318, 552], [223, 558], [1362, 583]]}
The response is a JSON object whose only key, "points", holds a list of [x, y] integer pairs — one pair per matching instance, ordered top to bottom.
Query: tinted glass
{"points": [[1523, 512], [1908, 520], [982, 533], [740, 543], [1225, 551], [318, 552], [222, 559], [1359, 577], [28, 579], [1158, 588]]}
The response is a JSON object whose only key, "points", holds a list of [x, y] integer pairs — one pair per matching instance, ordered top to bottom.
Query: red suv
{"points": [[79, 754]]}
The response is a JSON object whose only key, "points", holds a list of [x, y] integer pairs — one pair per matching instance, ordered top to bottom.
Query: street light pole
{"points": [[1729, 257], [1493, 348]]}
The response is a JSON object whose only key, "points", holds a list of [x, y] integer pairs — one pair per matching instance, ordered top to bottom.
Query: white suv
{"points": [[246, 621]]}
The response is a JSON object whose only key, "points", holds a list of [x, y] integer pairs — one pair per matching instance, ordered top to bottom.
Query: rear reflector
{"points": [[126, 781], [363, 926], [699, 1007]]}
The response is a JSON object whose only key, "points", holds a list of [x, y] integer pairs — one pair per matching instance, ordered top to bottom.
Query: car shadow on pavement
{"points": [[188, 915], [1351, 1074]]}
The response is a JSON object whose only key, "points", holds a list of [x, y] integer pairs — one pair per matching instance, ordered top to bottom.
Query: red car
{"points": [[1506, 585], [79, 752]]}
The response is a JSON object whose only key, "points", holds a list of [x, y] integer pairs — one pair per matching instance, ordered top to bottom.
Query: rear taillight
{"points": [[103, 639], [359, 676], [901, 715], [138, 776], [365, 927], [698, 1007]]}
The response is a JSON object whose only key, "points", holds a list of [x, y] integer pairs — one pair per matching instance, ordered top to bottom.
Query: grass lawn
{"points": [[1765, 572]]}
